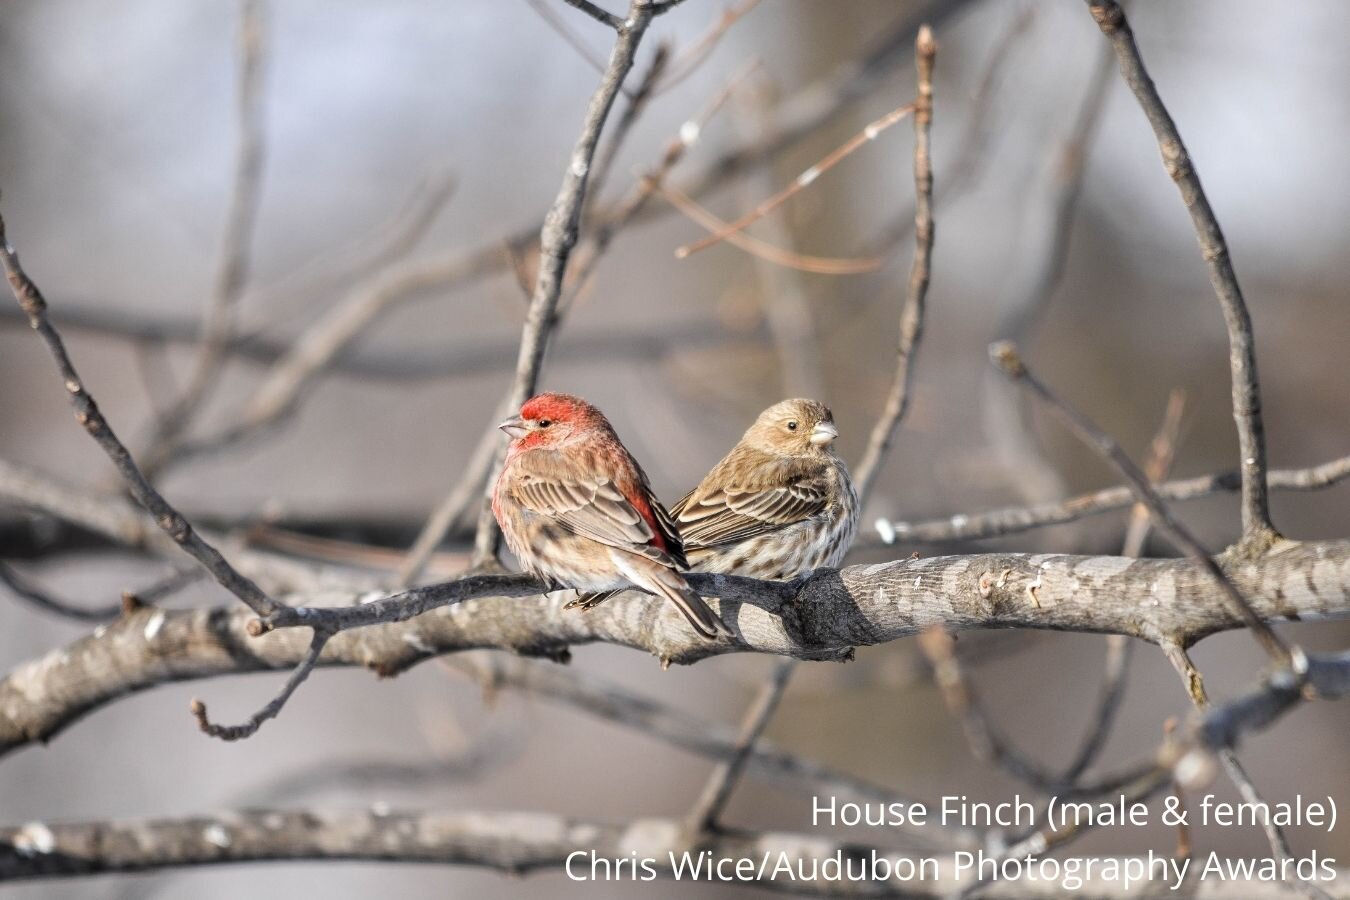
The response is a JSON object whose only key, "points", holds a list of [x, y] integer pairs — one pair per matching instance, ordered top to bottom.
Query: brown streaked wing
{"points": [[593, 508], [730, 515]]}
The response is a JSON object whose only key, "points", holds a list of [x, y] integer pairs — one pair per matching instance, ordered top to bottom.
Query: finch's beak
{"points": [[514, 426], [824, 433]]}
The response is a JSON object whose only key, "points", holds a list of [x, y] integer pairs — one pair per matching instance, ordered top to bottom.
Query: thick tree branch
{"points": [[820, 618]]}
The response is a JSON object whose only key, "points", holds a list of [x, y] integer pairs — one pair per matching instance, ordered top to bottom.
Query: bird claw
{"points": [[584, 601]]}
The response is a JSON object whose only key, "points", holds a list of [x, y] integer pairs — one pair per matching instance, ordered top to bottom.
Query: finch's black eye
{"points": [[544, 423], [792, 426]]}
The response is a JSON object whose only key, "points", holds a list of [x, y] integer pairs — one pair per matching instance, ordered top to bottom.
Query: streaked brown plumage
{"points": [[778, 506], [575, 508]]}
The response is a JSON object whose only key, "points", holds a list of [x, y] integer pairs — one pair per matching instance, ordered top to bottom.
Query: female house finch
{"points": [[779, 505], [576, 509]]}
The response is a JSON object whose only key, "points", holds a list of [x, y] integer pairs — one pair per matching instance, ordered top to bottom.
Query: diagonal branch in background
{"points": [[562, 28], [689, 60], [637, 102], [802, 181], [556, 240], [236, 245], [361, 257], [821, 265], [332, 333], [1005, 356], [88, 415], [1257, 531], [819, 618], [1120, 649], [615, 703], [986, 742], [707, 811]]}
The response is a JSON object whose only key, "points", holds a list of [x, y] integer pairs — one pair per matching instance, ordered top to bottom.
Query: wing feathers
{"points": [[743, 498]]}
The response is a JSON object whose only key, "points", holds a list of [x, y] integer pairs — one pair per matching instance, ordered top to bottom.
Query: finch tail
{"points": [[669, 584]]}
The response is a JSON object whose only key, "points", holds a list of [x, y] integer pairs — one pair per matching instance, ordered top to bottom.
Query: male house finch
{"points": [[779, 505], [576, 509]]}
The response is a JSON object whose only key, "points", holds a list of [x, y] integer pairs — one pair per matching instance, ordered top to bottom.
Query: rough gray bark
{"points": [[1158, 600]]}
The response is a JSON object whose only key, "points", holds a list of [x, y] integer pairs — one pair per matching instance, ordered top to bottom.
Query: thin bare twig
{"points": [[602, 16], [564, 30], [689, 61], [806, 178], [556, 240], [1045, 240], [236, 245], [366, 255], [821, 265], [911, 316], [1006, 357], [88, 415], [461, 497], [1014, 520], [1257, 530], [45, 600], [1194, 683], [613, 702], [274, 706], [707, 809]]}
